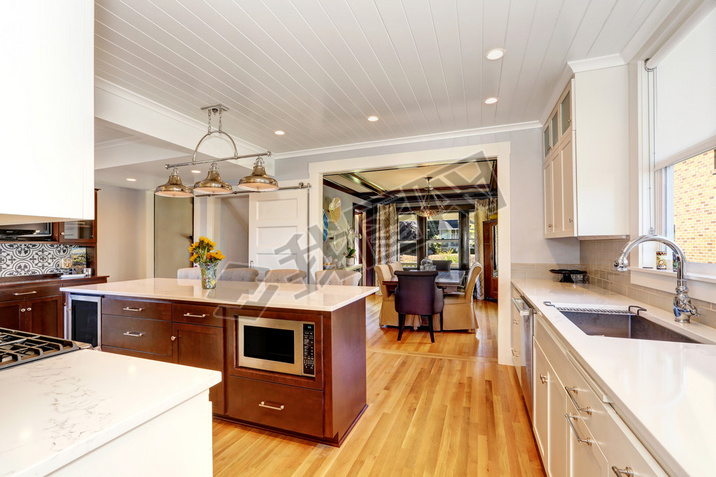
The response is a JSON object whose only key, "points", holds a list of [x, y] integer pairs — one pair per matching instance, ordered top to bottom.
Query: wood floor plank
{"points": [[443, 408]]}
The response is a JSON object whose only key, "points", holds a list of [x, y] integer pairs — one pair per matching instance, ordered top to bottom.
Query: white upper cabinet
{"points": [[47, 126], [586, 157]]}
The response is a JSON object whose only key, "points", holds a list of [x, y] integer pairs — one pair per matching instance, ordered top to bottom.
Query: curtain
{"points": [[484, 208], [386, 244]]}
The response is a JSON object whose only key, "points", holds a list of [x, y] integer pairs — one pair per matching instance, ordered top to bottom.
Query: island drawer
{"points": [[137, 308], [198, 314], [139, 334], [137, 354], [276, 405]]}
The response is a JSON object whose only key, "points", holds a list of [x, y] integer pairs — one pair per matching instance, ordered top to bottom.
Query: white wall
{"points": [[124, 234]]}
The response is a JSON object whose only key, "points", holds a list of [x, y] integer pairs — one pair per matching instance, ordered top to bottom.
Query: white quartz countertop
{"points": [[260, 294], [664, 391], [55, 410]]}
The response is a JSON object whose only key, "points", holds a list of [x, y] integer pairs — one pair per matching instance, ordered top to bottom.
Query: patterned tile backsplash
{"points": [[36, 258]]}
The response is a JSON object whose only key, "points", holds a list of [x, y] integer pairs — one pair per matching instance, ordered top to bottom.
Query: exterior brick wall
{"points": [[695, 207]]}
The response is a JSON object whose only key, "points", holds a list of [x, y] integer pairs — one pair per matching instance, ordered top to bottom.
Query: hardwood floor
{"points": [[440, 409]]}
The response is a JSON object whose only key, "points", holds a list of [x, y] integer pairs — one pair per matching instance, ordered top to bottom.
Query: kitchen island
{"points": [[293, 355], [92, 413]]}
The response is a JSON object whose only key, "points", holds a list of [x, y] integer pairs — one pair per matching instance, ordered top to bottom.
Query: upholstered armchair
{"points": [[395, 267], [191, 273], [239, 274], [287, 275], [338, 277], [458, 310], [388, 315]]}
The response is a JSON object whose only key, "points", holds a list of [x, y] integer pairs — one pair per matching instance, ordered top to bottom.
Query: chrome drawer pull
{"points": [[25, 293], [129, 308], [189, 315], [134, 334], [543, 378], [574, 390], [268, 406], [569, 418], [625, 471]]}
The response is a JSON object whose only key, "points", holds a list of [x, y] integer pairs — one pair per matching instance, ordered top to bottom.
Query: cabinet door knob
{"points": [[29, 308], [22, 310], [174, 338], [543, 378], [625, 471]]}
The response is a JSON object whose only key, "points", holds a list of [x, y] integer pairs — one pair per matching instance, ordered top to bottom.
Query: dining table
{"points": [[448, 280]]}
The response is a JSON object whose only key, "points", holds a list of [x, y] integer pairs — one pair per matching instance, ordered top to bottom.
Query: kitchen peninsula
{"points": [[292, 355]]}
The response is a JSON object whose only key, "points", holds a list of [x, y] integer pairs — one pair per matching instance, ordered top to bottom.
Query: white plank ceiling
{"points": [[317, 68]]}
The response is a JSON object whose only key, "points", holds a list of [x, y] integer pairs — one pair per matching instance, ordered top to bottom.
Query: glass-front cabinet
{"points": [[559, 125], [79, 232]]}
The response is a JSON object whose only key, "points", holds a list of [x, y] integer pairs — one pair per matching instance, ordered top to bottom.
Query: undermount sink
{"points": [[623, 325]]}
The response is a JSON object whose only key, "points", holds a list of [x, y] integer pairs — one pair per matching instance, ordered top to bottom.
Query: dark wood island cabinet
{"points": [[176, 321]]}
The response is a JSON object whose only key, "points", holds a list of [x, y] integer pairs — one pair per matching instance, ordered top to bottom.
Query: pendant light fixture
{"points": [[258, 180], [212, 184], [173, 187], [430, 206]]}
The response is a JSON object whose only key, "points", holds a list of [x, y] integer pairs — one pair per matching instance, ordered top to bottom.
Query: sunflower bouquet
{"points": [[203, 252], [204, 255]]}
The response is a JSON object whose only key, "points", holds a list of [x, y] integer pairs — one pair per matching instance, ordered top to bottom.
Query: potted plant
{"points": [[204, 255], [350, 257]]}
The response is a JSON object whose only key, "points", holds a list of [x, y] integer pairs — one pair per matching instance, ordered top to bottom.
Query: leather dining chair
{"points": [[442, 265], [239, 274], [285, 275], [417, 294]]}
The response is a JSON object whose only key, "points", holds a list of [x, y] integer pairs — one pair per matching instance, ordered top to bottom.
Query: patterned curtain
{"points": [[483, 209], [386, 245]]}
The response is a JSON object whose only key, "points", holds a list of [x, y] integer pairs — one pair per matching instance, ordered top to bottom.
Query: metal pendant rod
{"points": [[182, 164], [300, 186]]}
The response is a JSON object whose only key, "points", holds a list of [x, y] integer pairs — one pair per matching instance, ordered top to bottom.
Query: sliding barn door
{"points": [[278, 230]]}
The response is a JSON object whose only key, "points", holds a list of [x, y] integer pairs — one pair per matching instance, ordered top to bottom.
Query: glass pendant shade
{"points": [[258, 180], [213, 183], [173, 187]]}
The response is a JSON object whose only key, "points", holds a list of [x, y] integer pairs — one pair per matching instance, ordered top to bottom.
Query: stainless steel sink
{"points": [[623, 325]]}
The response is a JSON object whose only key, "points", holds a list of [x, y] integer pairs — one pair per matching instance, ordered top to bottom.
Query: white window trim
{"points": [[701, 277]]}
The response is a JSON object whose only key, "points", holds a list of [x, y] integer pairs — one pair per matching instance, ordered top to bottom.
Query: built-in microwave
{"points": [[282, 346]]}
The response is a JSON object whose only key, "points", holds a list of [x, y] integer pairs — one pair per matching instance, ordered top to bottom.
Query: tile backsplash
{"points": [[598, 257], [35, 258]]}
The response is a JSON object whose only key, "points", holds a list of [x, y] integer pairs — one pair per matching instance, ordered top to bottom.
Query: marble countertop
{"points": [[259, 294], [665, 392], [58, 409]]}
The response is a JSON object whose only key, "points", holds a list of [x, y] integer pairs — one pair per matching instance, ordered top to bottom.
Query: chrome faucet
{"points": [[683, 308]]}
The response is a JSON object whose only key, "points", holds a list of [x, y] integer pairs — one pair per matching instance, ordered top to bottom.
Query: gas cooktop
{"points": [[19, 347]]}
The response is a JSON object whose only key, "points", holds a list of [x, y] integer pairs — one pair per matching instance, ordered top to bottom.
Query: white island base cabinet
{"points": [[578, 432], [175, 443]]}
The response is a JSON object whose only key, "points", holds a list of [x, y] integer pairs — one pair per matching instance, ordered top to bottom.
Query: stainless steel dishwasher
{"points": [[521, 339]]}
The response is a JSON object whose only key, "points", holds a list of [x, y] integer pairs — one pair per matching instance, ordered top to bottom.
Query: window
{"points": [[690, 206], [443, 237], [408, 240]]}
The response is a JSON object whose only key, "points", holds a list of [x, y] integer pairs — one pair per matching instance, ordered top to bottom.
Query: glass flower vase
{"points": [[208, 275]]}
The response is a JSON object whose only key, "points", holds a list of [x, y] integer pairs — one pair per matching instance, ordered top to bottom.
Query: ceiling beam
{"points": [[368, 184]]}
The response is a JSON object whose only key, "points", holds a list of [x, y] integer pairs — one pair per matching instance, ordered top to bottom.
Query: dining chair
{"points": [[442, 265], [395, 267], [191, 273], [239, 274], [285, 275], [338, 277], [417, 294], [459, 310]]}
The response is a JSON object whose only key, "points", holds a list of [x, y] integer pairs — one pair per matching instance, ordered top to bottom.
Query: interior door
{"points": [[173, 230], [278, 230]]}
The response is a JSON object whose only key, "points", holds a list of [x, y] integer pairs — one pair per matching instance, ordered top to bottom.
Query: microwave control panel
{"points": [[309, 349]]}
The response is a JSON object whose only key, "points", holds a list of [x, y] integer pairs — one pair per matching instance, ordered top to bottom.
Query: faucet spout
{"points": [[683, 308]]}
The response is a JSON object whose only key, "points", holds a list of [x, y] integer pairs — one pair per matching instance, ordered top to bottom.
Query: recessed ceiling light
{"points": [[495, 54], [490, 100], [373, 118], [279, 133], [195, 171], [131, 179]]}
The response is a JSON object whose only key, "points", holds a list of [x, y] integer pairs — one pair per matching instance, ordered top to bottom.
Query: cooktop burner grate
{"points": [[18, 347]]}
